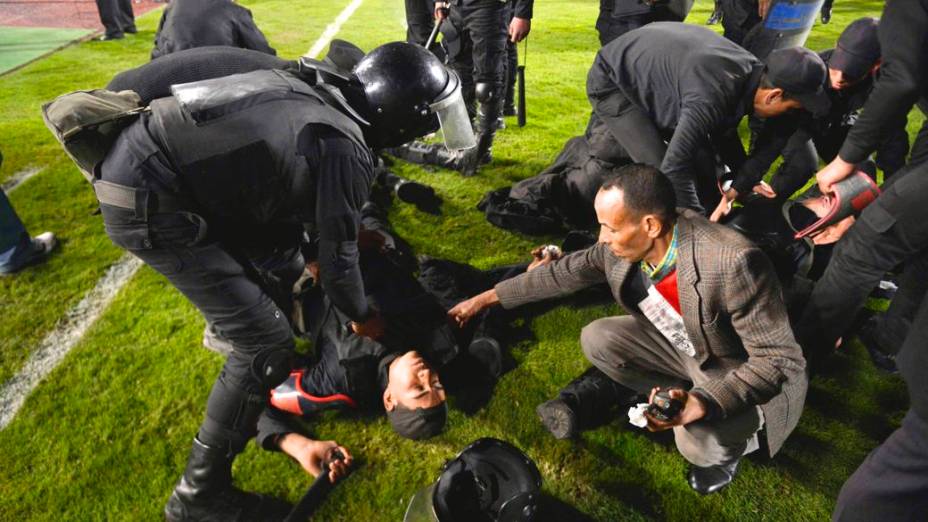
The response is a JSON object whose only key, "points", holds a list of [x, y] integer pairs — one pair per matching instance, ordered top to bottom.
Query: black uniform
{"points": [[117, 17], [617, 17], [738, 18], [420, 20], [199, 23], [475, 37], [688, 86], [822, 137], [219, 210], [351, 372], [892, 484]]}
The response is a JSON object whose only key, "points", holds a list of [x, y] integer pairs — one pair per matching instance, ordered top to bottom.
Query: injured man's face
{"points": [[412, 384]]}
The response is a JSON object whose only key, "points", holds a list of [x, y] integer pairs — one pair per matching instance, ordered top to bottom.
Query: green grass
{"points": [[106, 435]]}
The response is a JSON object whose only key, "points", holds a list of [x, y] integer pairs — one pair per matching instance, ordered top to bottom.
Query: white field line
{"points": [[333, 28], [19, 178], [70, 330], [66, 334]]}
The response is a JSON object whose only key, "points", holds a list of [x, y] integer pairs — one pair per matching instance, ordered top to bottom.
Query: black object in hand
{"points": [[664, 407], [315, 494]]}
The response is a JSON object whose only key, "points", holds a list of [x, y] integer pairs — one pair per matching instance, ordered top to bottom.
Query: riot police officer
{"points": [[475, 36], [219, 209]]}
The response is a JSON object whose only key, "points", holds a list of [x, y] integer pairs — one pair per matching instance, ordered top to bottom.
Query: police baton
{"points": [[434, 34], [520, 77], [315, 495]]}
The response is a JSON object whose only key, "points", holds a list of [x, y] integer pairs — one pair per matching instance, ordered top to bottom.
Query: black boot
{"points": [[826, 13], [487, 117], [426, 154], [587, 401], [706, 481], [205, 492]]}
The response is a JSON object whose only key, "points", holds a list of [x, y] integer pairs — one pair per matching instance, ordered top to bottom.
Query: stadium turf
{"points": [[19, 45], [105, 436]]}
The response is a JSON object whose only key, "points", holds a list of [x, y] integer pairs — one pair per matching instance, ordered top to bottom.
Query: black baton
{"points": [[434, 34], [520, 76], [315, 495]]}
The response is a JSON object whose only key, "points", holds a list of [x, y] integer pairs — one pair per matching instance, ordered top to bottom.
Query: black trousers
{"points": [[116, 16], [738, 18], [420, 20], [611, 27], [476, 44], [634, 131], [892, 231], [232, 274], [892, 483]]}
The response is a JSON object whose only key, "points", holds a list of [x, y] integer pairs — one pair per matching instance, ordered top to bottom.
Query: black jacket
{"points": [[199, 23], [904, 43], [692, 82]]}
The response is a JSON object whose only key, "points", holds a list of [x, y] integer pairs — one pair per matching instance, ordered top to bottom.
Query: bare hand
{"points": [[763, 7], [441, 11], [519, 29], [834, 172], [765, 190], [724, 206], [832, 233], [371, 241], [541, 257], [313, 267], [465, 310], [373, 328], [693, 410], [311, 454]]}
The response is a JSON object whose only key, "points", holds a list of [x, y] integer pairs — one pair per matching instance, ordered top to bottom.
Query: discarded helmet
{"points": [[489, 481]]}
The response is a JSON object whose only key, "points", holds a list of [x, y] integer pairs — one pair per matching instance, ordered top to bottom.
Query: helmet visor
{"points": [[454, 121], [420, 507]]}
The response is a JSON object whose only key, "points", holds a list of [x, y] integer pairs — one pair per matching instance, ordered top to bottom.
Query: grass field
{"points": [[106, 435]]}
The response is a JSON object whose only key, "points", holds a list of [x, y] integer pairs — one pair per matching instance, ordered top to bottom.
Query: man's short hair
{"points": [[765, 83], [645, 190]]}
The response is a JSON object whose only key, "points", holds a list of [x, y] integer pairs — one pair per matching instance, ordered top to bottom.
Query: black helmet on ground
{"points": [[490, 481]]}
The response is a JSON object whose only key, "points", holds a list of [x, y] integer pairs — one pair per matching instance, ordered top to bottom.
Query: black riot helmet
{"points": [[408, 93], [489, 481]]}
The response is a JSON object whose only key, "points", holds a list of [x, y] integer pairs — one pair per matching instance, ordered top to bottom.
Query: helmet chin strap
{"points": [[343, 103]]}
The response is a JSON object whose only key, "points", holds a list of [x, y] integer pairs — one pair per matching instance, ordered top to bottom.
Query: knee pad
{"points": [[486, 92], [272, 366]]}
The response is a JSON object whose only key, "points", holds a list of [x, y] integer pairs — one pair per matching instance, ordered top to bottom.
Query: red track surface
{"points": [[59, 13]]}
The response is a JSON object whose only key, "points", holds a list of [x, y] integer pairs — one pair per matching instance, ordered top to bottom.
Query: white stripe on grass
{"points": [[333, 28], [19, 178], [69, 331], [66, 334]]}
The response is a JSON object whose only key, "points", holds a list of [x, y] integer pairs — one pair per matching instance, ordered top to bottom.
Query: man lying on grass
{"points": [[705, 317], [399, 371]]}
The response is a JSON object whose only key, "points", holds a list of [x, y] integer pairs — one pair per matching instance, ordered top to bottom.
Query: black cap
{"points": [[858, 48], [802, 74], [420, 423]]}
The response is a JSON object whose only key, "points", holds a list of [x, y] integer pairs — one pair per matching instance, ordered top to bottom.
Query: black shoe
{"points": [[826, 15], [715, 17], [131, 30], [108, 37], [509, 110], [500, 123], [416, 194], [869, 337], [487, 352], [587, 401], [559, 418], [706, 481], [205, 492]]}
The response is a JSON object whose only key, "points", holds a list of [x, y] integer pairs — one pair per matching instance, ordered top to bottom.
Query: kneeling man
{"points": [[705, 311]]}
